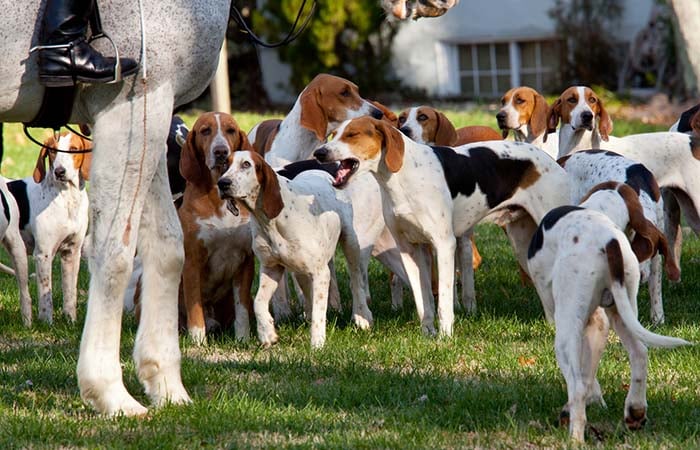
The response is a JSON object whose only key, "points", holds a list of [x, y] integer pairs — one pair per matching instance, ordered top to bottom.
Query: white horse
{"points": [[130, 201]]}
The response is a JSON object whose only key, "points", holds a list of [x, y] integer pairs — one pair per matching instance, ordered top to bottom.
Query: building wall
{"points": [[425, 52]]}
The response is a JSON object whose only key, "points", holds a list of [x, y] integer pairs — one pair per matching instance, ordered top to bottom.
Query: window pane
{"points": [[550, 54], [502, 56], [528, 56], [465, 57], [484, 59], [550, 79], [529, 80], [503, 84], [467, 86], [485, 86]]}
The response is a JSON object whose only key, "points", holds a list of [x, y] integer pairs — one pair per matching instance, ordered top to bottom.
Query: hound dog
{"points": [[403, 9], [323, 104], [524, 111], [688, 122], [673, 158], [588, 168], [432, 194], [53, 216], [296, 226], [12, 241], [219, 265], [583, 301]]}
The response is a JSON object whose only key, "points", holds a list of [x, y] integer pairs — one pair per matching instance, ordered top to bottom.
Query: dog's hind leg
{"points": [[445, 253], [357, 270], [595, 337]]}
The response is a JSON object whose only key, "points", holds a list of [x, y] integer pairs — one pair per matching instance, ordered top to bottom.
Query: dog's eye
{"points": [[345, 93], [572, 100], [592, 100], [503, 101], [519, 101], [422, 117], [402, 119], [205, 131], [231, 131], [351, 134], [245, 164]]}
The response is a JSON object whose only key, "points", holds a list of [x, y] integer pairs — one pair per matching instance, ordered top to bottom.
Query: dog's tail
{"points": [[624, 306]]}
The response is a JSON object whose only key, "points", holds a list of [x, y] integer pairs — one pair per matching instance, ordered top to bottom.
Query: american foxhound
{"points": [[524, 111], [688, 122], [673, 158], [588, 168], [430, 195], [53, 207], [296, 226], [219, 265], [582, 301]]}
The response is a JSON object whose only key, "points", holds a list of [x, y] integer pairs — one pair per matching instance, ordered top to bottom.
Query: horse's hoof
{"points": [[636, 417]]}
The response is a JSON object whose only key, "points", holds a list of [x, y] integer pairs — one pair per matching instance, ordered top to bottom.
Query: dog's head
{"points": [[404, 9], [329, 100], [520, 107], [581, 109], [427, 125], [363, 144], [209, 147], [71, 166], [250, 181]]}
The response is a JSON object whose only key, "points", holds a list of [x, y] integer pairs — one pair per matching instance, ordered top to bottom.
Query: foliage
{"points": [[349, 38], [591, 55]]}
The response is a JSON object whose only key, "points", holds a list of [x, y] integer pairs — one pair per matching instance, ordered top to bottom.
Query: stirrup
{"points": [[117, 63]]}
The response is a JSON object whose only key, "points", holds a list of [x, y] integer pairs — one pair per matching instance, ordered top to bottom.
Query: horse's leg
{"points": [[116, 201], [156, 350]]}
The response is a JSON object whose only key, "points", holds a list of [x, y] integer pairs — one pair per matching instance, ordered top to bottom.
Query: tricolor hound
{"points": [[524, 111], [688, 122], [427, 125], [673, 158], [588, 168], [432, 194], [53, 207], [296, 226], [219, 265], [587, 276]]}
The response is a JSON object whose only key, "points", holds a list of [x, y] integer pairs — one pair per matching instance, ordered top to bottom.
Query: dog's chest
{"points": [[227, 241]]}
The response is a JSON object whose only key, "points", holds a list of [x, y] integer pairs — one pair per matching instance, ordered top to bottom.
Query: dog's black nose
{"points": [[377, 113], [586, 116], [501, 117], [407, 132], [220, 152], [321, 154], [60, 172], [224, 183]]}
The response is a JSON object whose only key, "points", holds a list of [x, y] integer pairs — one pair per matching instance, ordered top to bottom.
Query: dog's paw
{"points": [[361, 322]]}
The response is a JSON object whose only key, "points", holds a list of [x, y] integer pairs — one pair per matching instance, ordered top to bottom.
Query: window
{"points": [[488, 70]]}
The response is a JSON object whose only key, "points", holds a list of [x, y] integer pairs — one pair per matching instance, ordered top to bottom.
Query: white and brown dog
{"points": [[524, 111], [688, 122], [673, 158], [588, 168], [432, 194], [53, 207], [296, 226], [219, 265], [583, 303]]}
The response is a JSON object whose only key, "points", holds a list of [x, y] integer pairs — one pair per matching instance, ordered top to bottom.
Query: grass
{"points": [[495, 384]]}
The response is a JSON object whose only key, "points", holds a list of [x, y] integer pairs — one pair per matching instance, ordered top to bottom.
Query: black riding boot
{"points": [[66, 56]]}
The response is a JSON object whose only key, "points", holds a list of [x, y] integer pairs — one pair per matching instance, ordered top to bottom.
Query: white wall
{"points": [[424, 50]]}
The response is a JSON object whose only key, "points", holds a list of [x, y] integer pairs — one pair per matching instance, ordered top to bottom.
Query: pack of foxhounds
{"points": [[589, 216]]}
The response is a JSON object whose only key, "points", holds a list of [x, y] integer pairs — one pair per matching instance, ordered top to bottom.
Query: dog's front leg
{"points": [[18, 253], [445, 253], [42, 262], [416, 262], [70, 268], [270, 277], [319, 293], [243, 301]]}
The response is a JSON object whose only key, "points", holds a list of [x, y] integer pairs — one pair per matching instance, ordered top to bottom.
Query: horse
{"points": [[131, 207]]}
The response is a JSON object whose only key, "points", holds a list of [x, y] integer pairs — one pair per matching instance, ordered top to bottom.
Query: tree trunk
{"points": [[687, 24]]}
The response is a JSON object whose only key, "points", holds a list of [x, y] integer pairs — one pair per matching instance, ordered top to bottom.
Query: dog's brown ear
{"points": [[389, 115], [553, 116], [313, 117], [538, 120], [695, 123], [605, 124], [85, 129], [445, 133], [244, 143], [393, 144], [85, 166], [192, 167], [40, 168], [272, 203], [646, 235]]}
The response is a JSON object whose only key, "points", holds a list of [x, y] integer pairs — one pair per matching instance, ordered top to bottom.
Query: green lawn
{"points": [[495, 384]]}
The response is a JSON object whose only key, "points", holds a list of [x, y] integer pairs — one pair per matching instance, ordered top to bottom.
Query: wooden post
{"points": [[220, 95]]}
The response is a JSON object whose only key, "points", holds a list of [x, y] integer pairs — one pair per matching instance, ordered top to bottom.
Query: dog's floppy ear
{"points": [[389, 115], [313, 117], [553, 117], [538, 120], [695, 123], [605, 124], [445, 133], [244, 143], [393, 144], [85, 166], [40, 168], [192, 168], [272, 203]]}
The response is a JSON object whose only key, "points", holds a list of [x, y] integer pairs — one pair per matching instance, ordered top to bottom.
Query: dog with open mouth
{"points": [[432, 194], [283, 212]]}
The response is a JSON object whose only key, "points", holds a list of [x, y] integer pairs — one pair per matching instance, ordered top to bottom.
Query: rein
{"points": [[294, 33], [53, 149]]}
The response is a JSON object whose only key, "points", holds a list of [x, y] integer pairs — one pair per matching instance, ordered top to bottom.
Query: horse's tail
{"points": [[616, 266]]}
